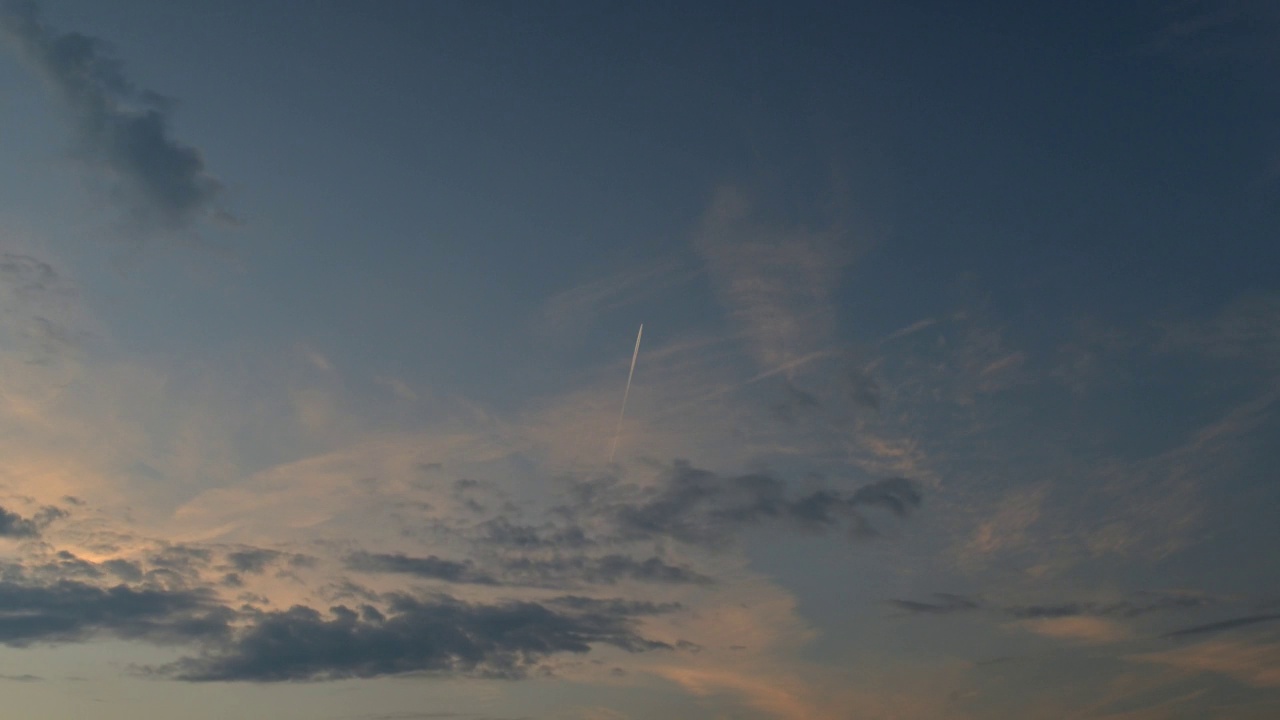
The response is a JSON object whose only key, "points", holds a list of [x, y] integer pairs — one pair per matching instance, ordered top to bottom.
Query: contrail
{"points": [[618, 431]]}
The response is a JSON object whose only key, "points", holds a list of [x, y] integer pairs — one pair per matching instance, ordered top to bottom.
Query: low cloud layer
{"points": [[69, 611], [390, 634], [436, 635]]}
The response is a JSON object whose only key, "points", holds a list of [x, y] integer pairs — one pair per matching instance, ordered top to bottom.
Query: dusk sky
{"points": [[958, 395]]}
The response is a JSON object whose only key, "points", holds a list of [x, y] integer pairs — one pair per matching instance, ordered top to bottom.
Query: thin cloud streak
{"points": [[1223, 625]]}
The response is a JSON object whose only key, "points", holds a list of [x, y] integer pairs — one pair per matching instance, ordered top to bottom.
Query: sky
{"points": [[957, 395]]}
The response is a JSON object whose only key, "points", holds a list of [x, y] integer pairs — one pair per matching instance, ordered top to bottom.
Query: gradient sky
{"points": [[957, 396]]}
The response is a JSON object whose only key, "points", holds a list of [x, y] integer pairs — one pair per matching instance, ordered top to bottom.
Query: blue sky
{"points": [[956, 396]]}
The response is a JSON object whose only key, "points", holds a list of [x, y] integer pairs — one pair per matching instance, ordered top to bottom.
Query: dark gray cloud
{"points": [[120, 130], [897, 495], [701, 507], [13, 525], [502, 532], [252, 561], [65, 564], [178, 564], [430, 567], [123, 569], [605, 570], [559, 571], [943, 604], [1139, 604], [1145, 604], [614, 606], [69, 610], [1223, 625], [402, 633], [439, 635]]}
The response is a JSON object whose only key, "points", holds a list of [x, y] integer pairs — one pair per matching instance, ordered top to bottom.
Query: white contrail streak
{"points": [[618, 431]]}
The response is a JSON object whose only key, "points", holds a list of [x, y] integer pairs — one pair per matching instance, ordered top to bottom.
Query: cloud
{"points": [[121, 131], [26, 273], [776, 282], [578, 307], [39, 325], [911, 329], [1246, 330], [864, 391], [795, 402], [897, 495], [700, 507], [13, 525], [1007, 528], [502, 532], [252, 561], [430, 567], [123, 569], [604, 570], [558, 571], [1143, 603], [946, 604], [614, 606], [1124, 608], [69, 610], [1223, 625], [1089, 630], [403, 633], [440, 635], [1257, 665], [782, 697]]}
